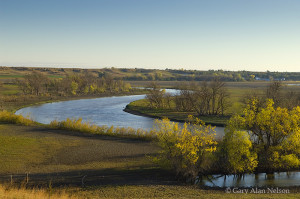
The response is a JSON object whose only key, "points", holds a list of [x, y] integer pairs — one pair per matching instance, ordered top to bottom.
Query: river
{"points": [[99, 111]]}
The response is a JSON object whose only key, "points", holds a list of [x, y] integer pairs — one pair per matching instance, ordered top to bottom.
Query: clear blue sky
{"points": [[254, 35]]}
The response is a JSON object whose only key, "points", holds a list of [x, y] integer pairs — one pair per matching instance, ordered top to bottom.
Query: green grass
{"points": [[10, 76], [9, 89], [44, 150], [22, 153]]}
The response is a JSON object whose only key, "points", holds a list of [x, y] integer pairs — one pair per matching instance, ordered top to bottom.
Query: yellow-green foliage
{"points": [[10, 117], [86, 127], [275, 132], [237, 146], [186, 149], [23, 193]]}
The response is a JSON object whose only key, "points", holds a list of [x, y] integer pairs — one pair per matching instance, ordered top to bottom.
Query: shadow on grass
{"points": [[51, 131], [104, 177]]}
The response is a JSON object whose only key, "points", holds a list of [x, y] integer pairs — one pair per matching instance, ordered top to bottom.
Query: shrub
{"points": [[10, 117], [86, 127]]}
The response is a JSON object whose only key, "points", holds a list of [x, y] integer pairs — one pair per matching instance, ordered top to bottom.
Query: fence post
{"points": [[27, 178], [82, 181]]}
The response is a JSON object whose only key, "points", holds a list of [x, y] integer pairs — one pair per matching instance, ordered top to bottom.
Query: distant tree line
{"points": [[140, 74], [196, 75], [37, 83]]}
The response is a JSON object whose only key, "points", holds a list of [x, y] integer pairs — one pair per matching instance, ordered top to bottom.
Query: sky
{"points": [[255, 35]]}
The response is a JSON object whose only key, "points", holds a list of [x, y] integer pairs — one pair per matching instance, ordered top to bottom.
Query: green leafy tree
{"points": [[74, 87], [239, 155]]}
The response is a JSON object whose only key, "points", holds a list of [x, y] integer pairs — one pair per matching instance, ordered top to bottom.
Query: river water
{"points": [[99, 111], [280, 179]]}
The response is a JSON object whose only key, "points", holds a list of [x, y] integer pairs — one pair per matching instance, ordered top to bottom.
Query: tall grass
{"points": [[12, 118], [79, 125], [86, 127], [18, 193]]}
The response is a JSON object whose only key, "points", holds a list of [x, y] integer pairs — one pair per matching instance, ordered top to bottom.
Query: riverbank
{"points": [[14, 103], [141, 108]]}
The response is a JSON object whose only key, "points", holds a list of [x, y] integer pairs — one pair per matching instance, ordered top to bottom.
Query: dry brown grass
{"points": [[7, 192]]}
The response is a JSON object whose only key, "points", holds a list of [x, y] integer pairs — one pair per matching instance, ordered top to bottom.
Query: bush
{"points": [[10, 117], [85, 127]]}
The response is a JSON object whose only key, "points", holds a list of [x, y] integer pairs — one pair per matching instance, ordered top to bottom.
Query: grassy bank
{"points": [[14, 102], [141, 107], [132, 191]]}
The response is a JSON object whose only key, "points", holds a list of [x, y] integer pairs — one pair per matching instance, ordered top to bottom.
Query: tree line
{"points": [[37, 83], [207, 98]]}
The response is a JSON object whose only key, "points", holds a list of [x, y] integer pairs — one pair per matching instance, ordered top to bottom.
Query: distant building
{"points": [[262, 79], [267, 79]]}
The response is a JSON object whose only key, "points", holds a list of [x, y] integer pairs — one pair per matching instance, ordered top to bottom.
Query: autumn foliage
{"points": [[274, 135], [187, 149]]}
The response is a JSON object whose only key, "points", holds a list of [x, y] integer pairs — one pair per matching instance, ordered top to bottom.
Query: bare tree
{"points": [[216, 85], [274, 92], [155, 96], [168, 99]]}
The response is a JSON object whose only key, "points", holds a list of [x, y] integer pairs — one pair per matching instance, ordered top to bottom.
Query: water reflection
{"points": [[280, 179]]}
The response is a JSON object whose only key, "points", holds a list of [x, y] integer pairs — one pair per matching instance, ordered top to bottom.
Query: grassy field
{"points": [[46, 152]]}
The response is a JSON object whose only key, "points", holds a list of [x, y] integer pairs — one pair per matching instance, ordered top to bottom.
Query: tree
{"points": [[35, 83], [74, 87], [216, 89], [273, 92], [155, 95], [206, 99], [274, 133], [188, 149], [239, 155]]}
